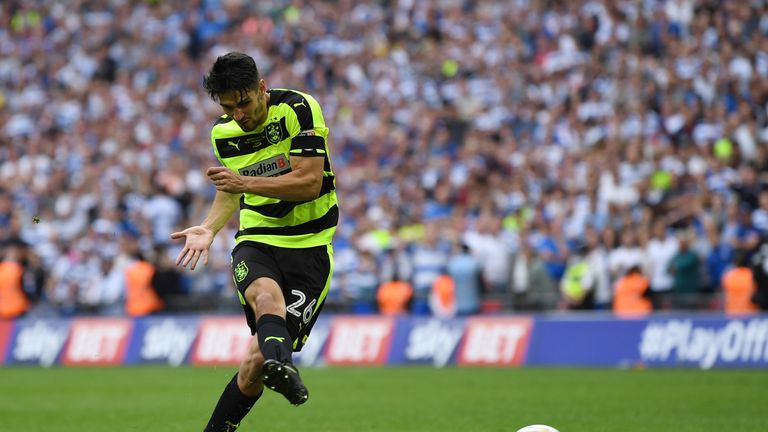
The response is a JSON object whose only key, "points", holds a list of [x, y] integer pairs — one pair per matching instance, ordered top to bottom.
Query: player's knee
{"points": [[264, 300], [265, 303]]}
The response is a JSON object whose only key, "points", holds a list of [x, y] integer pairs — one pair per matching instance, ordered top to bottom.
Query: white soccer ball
{"points": [[538, 428]]}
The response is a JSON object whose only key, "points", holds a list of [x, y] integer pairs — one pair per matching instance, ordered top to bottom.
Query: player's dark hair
{"points": [[233, 71]]}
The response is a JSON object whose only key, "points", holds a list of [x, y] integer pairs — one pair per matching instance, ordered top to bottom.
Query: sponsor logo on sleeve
{"points": [[363, 340], [97, 341], [221, 341], [495, 341], [684, 341]]}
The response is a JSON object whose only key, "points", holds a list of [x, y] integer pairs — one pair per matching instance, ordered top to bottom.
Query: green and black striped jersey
{"points": [[294, 126]]}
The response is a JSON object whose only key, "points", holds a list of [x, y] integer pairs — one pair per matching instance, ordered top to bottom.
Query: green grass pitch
{"points": [[392, 399]]}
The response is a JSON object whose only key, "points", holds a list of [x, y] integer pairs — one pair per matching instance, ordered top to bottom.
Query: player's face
{"points": [[249, 109]]}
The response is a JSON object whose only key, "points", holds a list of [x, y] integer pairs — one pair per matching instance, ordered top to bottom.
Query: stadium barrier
{"points": [[694, 341]]}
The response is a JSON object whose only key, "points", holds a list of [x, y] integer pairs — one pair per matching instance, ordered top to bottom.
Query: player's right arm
{"points": [[198, 239]]}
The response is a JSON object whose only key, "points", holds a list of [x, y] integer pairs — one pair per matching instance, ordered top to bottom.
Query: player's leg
{"points": [[249, 263], [258, 275], [304, 284], [266, 299], [240, 394]]}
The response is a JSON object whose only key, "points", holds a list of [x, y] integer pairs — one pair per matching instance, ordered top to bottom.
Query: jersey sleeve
{"points": [[216, 134], [307, 139]]}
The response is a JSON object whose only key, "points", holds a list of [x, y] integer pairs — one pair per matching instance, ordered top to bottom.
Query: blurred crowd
{"points": [[490, 155]]}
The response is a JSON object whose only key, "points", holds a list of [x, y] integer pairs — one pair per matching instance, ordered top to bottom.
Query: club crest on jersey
{"points": [[274, 133], [241, 271]]}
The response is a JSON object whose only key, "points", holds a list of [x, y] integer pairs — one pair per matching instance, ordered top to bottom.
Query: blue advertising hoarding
{"points": [[162, 340], [584, 340], [428, 341], [676, 341], [37, 342]]}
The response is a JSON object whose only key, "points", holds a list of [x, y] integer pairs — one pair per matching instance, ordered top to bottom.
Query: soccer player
{"points": [[276, 169]]}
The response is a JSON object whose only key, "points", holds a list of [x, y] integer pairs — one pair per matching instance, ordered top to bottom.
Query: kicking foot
{"points": [[284, 378]]}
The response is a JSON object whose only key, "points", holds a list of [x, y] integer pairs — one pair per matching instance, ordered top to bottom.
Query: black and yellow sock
{"points": [[274, 341], [232, 407]]}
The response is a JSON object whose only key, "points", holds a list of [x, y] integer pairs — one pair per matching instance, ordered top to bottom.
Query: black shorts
{"points": [[304, 275]]}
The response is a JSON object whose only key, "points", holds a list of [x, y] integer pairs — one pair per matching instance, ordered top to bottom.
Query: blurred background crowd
{"points": [[490, 155]]}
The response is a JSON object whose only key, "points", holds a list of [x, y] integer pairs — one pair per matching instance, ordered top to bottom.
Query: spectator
{"points": [[748, 187], [739, 230], [487, 245], [549, 247], [660, 250], [629, 254], [429, 256], [720, 256], [395, 264], [466, 272], [597, 275], [686, 275], [34, 280], [167, 281], [361, 283], [112, 285], [532, 286], [575, 286], [739, 287], [632, 294], [394, 296], [140, 297], [442, 297], [13, 300]]}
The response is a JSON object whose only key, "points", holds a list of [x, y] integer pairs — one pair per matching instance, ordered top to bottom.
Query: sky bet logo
{"points": [[271, 167]]}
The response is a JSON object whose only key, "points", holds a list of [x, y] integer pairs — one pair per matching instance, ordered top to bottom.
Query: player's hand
{"points": [[226, 180], [198, 241]]}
